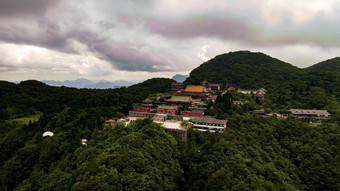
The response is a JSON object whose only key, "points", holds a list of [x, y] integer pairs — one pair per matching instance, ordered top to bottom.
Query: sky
{"points": [[136, 40]]}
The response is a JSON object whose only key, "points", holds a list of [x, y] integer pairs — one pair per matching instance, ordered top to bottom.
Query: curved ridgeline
{"points": [[328, 65], [244, 69]]}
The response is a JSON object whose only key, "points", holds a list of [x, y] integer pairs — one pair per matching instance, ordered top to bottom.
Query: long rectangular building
{"points": [[195, 91], [180, 100], [310, 113], [208, 123]]}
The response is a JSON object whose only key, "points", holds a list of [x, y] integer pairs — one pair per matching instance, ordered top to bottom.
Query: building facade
{"points": [[177, 86], [215, 87], [196, 92], [179, 100], [141, 108], [165, 109], [194, 112], [208, 123]]}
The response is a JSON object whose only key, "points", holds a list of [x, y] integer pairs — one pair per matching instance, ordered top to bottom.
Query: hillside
{"points": [[328, 65], [244, 69], [30, 97], [253, 153]]}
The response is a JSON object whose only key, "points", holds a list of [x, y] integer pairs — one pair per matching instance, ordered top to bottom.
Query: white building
{"points": [[208, 123], [47, 134], [84, 142]]}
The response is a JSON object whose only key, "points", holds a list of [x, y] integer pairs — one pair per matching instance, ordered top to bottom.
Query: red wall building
{"points": [[177, 86], [180, 100], [142, 109], [167, 109], [194, 112]]}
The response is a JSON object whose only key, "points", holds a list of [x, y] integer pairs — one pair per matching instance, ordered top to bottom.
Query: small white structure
{"points": [[238, 103], [187, 118], [121, 120], [47, 134], [84, 142]]}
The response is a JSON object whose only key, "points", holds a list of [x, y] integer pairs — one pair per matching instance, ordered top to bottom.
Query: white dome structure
{"points": [[47, 134]]}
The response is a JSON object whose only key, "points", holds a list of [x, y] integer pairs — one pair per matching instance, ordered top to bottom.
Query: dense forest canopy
{"points": [[328, 65], [244, 69], [252, 153]]}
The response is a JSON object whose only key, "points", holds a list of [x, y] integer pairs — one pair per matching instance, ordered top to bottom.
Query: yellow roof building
{"points": [[195, 89]]}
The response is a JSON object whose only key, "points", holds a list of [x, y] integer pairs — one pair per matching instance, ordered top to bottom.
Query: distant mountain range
{"points": [[244, 69], [180, 78], [85, 83]]}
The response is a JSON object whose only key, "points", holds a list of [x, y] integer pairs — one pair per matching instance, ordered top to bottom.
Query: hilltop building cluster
{"points": [[187, 100], [183, 103], [189, 103]]}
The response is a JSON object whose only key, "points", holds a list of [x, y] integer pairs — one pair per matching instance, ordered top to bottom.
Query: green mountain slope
{"points": [[328, 65], [244, 69], [253, 153]]}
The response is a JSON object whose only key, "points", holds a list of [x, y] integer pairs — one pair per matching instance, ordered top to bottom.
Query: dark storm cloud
{"points": [[14, 8], [202, 26], [239, 30], [46, 33], [145, 35], [122, 56]]}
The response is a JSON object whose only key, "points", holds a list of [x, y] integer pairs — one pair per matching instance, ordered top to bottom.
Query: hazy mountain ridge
{"points": [[180, 78], [85, 83]]}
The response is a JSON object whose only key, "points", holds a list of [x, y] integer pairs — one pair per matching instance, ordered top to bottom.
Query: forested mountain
{"points": [[328, 65], [245, 70], [32, 96], [71, 114], [253, 153], [263, 154]]}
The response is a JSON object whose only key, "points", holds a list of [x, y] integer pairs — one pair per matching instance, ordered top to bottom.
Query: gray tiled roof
{"points": [[308, 112], [209, 120]]}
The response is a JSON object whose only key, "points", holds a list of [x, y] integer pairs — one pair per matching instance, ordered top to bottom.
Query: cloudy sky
{"points": [[139, 39]]}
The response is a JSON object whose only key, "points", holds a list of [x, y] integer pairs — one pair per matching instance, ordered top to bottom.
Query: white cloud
{"points": [[299, 11], [102, 38], [201, 54], [27, 60]]}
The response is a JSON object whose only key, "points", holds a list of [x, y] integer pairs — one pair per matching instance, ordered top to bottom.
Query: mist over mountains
{"points": [[180, 78], [85, 83], [102, 84]]}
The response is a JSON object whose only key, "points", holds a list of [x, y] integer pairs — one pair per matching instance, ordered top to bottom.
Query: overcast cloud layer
{"points": [[136, 40]]}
